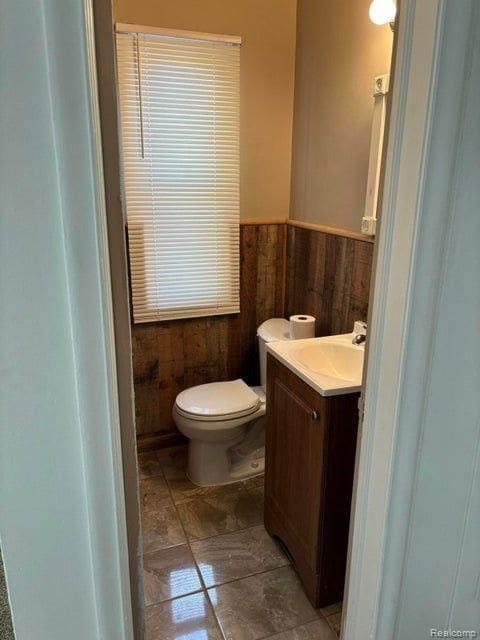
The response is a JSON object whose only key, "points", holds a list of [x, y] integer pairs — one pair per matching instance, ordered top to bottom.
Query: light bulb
{"points": [[382, 11]]}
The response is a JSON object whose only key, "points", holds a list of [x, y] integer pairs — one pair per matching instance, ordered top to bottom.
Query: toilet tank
{"points": [[270, 331]]}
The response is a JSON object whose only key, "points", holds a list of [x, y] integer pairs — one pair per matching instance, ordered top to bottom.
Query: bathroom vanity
{"points": [[310, 456]]}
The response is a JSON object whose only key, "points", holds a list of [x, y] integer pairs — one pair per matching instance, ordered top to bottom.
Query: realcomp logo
{"points": [[453, 633]]}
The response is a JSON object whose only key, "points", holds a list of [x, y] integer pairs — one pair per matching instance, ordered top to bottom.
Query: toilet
{"points": [[225, 421]]}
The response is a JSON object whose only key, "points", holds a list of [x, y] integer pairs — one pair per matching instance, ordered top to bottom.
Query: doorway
{"points": [[426, 23]]}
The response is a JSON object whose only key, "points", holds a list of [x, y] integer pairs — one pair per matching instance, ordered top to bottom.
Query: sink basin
{"points": [[334, 359], [332, 365]]}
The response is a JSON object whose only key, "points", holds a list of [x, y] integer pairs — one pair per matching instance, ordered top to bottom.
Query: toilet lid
{"points": [[215, 399]]}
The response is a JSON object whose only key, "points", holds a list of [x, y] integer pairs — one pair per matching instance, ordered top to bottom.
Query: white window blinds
{"points": [[179, 107]]}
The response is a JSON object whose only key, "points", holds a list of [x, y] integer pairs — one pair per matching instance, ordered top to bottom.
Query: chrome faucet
{"points": [[359, 332]]}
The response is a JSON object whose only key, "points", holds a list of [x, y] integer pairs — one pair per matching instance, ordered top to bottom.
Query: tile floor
{"points": [[211, 571]]}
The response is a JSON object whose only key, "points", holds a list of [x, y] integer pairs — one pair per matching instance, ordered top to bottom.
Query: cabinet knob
{"points": [[314, 415]]}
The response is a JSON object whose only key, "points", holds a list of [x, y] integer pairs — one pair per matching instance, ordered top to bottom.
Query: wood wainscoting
{"points": [[285, 269], [328, 276], [172, 355]]}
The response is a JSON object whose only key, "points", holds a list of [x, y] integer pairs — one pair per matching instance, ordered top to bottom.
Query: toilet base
{"points": [[209, 464]]}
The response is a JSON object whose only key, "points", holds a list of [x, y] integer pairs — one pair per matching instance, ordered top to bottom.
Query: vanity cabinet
{"points": [[310, 457]]}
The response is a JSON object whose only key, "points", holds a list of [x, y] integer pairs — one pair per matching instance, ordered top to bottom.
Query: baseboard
{"points": [[159, 440]]}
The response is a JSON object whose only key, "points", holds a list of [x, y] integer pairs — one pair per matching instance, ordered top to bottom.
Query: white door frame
{"points": [[409, 268], [63, 508], [120, 555], [373, 573]]}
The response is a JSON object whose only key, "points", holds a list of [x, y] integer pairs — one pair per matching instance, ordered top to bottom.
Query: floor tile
{"points": [[173, 457], [148, 465], [174, 466], [255, 482], [181, 487], [256, 488], [153, 493], [258, 494], [229, 508], [161, 528], [236, 555], [169, 573], [261, 605], [332, 608], [184, 618], [335, 621], [316, 630]]}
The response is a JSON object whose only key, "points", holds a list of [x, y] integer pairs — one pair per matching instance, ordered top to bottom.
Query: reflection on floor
{"points": [[211, 571]]}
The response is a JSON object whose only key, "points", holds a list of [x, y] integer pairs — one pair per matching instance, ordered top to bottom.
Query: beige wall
{"points": [[339, 51], [267, 81]]}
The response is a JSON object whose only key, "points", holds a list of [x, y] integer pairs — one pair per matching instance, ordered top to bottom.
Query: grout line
{"points": [[154, 475], [210, 493], [207, 495], [193, 498], [216, 535], [186, 538], [187, 543], [197, 568], [249, 575], [185, 595], [216, 618], [332, 627]]}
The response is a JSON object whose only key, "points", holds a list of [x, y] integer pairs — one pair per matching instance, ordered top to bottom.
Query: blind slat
{"points": [[179, 108]]}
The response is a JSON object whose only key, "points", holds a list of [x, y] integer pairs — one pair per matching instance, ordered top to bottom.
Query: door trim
{"points": [[413, 230], [118, 443]]}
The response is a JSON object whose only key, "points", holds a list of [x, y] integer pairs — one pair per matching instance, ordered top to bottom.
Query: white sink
{"points": [[334, 359], [332, 365]]}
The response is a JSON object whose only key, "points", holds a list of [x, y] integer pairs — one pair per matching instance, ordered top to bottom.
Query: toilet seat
{"points": [[218, 401]]}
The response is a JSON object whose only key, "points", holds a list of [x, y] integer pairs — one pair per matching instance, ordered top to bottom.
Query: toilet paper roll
{"points": [[302, 326]]}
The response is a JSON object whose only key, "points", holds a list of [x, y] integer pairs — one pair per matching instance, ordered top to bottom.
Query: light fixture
{"points": [[382, 11]]}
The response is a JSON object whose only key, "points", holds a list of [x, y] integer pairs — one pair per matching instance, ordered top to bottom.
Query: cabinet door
{"points": [[294, 474]]}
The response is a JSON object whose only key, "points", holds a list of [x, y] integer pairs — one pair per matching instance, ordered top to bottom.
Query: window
{"points": [[179, 105]]}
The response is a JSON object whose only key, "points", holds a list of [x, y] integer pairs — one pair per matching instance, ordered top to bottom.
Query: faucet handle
{"points": [[360, 327]]}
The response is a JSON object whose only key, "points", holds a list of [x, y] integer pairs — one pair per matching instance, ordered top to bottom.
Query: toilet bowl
{"points": [[225, 421], [215, 428]]}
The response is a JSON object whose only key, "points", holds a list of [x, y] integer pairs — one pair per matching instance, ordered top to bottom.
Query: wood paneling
{"points": [[284, 270], [328, 276], [171, 356]]}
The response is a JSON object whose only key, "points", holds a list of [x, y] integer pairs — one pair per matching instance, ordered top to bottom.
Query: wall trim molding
{"points": [[259, 221], [312, 226], [334, 231]]}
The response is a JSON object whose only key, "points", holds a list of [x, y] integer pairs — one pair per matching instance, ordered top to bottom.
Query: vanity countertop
{"points": [[331, 365]]}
